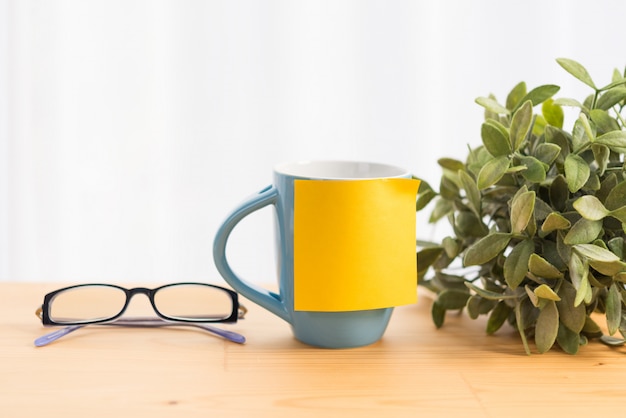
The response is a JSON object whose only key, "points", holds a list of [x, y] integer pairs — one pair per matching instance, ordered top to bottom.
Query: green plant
{"points": [[538, 215]]}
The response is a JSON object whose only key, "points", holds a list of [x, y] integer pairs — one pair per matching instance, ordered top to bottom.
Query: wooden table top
{"points": [[415, 370]]}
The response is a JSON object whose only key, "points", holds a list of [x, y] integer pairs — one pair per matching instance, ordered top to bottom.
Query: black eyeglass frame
{"points": [[237, 311]]}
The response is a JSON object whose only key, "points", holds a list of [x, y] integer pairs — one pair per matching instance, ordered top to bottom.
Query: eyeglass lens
{"points": [[187, 302], [193, 302], [87, 303]]}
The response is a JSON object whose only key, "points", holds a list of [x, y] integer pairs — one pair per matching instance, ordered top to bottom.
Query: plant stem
{"points": [[595, 99], [619, 116]]}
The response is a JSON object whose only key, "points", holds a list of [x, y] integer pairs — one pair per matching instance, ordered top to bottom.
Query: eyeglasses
{"points": [[191, 304]]}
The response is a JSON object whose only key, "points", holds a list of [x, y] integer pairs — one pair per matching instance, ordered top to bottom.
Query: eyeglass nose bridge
{"points": [[139, 290], [130, 293]]}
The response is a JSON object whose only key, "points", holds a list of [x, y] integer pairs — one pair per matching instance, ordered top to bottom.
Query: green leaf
{"points": [[577, 70], [616, 80], [540, 94], [516, 95], [611, 97], [569, 102], [492, 105], [553, 113], [604, 122], [520, 124], [539, 125], [590, 134], [553, 135], [579, 137], [494, 139], [616, 140], [547, 153], [601, 154], [477, 158], [451, 164], [516, 169], [535, 170], [492, 172], [576, 172], [593, 183], [423, 185], [606, 186], [448, 189], [471, 191], [559, 193], [616, 197], [424, 199], [590, 208], [441, 209], [522, 209], [542, 209], [619, 214], [555, 221], [469, 225], [531, 229], [583, 232], [616, 246], [451, 247], [486, 249], [564, 250], [550, 252], [594, 252], [426, 257], [516, 264], [540, 267], [611, 268], [577, 269], [578, 272], [620, 277], [597, 284], [545, 292], [583, 293], [488, 294], [452, 299], [534, 299], [477, 305], [472, 306], [613, 309], [438, 313], [498, 316], [573, 317], [521, 326], [547, 327], [591, 329], [568, 340], [612, 341]]}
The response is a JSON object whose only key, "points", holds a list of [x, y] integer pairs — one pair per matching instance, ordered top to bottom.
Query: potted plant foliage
{"points": [[538, 214]]}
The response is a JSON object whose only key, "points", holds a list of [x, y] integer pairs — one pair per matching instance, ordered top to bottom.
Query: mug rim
{"points": [[354, 170]]}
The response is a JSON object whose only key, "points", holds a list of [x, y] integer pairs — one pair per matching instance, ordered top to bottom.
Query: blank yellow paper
{"points": [[354, 244]]}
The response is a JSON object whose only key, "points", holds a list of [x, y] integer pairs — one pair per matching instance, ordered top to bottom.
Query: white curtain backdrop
{"points": [[129, 129]]}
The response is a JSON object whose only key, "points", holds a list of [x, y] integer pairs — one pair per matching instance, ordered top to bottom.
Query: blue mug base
{"points": [[340, 329]]}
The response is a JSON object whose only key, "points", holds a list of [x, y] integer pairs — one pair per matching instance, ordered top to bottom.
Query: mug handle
{"points": [[269, 300]]}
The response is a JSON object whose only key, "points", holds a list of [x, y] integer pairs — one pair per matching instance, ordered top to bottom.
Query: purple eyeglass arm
{"points": [[141, 322], [55, 335]]}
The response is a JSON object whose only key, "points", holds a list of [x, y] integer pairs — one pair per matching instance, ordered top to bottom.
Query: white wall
{"points": [[129, 129], [4, 143]]}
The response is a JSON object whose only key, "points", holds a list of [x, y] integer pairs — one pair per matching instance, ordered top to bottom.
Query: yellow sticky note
{"points": [[354, 244]]}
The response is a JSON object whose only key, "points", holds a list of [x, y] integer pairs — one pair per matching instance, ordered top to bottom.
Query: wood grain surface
{"points": [[415, 370]]}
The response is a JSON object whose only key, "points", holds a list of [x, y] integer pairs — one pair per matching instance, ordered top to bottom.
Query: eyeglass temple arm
{"points": [[241, 312], [140, 322], [157, 322], [55, 335]]}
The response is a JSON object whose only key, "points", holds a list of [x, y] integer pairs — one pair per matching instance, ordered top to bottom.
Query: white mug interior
{"points": [[345, 170]]}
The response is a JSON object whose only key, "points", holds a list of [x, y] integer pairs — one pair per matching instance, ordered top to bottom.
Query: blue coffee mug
{"points": [[321, 308]]}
